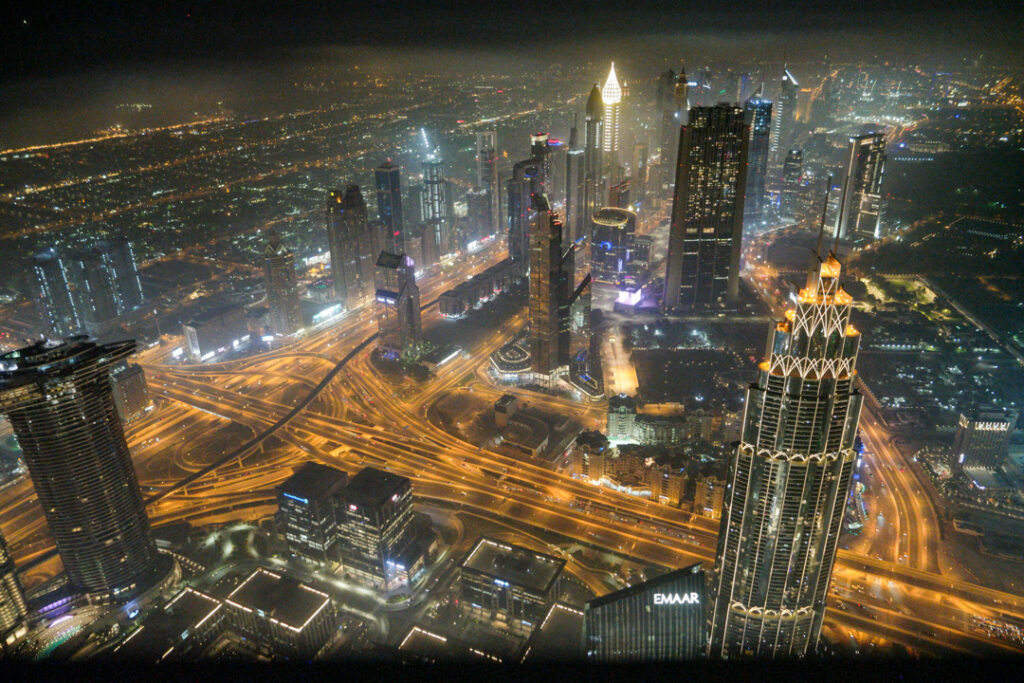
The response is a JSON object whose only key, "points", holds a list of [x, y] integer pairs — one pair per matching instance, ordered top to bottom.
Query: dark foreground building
{"points": [[660, 620]]}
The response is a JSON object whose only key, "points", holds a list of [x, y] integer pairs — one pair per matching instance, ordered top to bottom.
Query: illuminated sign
{"points": [[676, 599]]}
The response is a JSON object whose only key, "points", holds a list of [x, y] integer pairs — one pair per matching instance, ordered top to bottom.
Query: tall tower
{"points": [[611, 97], [785, 115], [759, 116], [541, 154], [792, 172], [487, 175], [388, 179], [575, 183], [522, 187], [593, 191], [435, 208], [860, 208], [707, 212], [351, 242], [106, 283], [282, 287], [547, 290], [53, 295], [399, 300], [59, 400], [789, 479], [13, 606]]}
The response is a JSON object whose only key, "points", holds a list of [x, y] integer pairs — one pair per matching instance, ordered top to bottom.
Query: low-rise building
{"points": [[179, 632]]}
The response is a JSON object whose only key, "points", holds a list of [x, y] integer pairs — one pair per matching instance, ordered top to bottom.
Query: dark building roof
{"points": [[389, 260], [505, 401], [311, 481], [372, 487], [514, 564], [645, 586], [280, 597], [163, 631]]}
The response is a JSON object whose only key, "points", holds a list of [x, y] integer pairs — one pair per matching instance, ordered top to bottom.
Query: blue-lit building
{"points": [[759, 114], [388, 179], [612, 249], [307, 515]]}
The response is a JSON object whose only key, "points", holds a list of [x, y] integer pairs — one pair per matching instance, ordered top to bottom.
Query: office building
{"points": [[611, 99], [673, 103], [759, 116], [785, 116], [593, 142], [558, 160], [792, 173], [487, 176], [388, 178], [575, 183], [522, 187], [618, 195], [436, 205], [860, 208], [479, 212], [707, 212], [351, 243], [611, 250], [106, 283], [550, 292], [53, 296], [398, 302], [284, 315], [217, 329], [131, 393], [58, 399], [982, 438], [789, 479], [709, 497], [307, 515], [379, 546], [509, 584], [13, 606], [286, 617], [661, 620], [178, 632]]}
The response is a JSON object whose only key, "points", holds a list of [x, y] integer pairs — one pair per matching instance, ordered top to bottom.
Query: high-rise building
{"points": [[674, 93], [611, 99], [759, 116], [785, 116], [593, 143], [541, 155], [557, 156], [792, 172], [487, 175], [638, 177], [575, 184], [522, 187], [389, 206], [436, 208], [860, 209], [707, 212], [478, 213], [612, 232], [351, 241], [106, 283], [548, 292], [53, 295], [398, 299], [285, 315], [131, 393], [59, 402], [983, 437], [789, 479], [307, 511], [379, 545], [13, 606], [660, 620]]}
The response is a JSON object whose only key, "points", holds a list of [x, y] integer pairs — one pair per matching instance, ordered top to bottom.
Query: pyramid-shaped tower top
{"points": [[612, 92], [594, 104]]}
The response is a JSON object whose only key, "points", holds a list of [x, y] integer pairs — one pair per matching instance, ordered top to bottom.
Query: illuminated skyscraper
{"points": [[611, 98], [785, 116], [759, 117], [540, 153], [792, 172], [487, 175], [575, 184], [521, 188], [593, 191], [389, 205], [436, 208], [860, 211], [707, 212], [612, 231], [350, 238], [106, 283], [550, 291], [53, 295], [398, 299], [285, 316], [59, 401], [983, 438], [789, 480], [13, 606]]}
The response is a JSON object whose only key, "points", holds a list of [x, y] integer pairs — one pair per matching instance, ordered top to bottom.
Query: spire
{"points": [[612, 92], [595, 106]]}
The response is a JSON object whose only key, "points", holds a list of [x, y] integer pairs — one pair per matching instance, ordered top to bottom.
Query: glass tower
{"points": [[759, 113], [389, 205], [789, 479]]}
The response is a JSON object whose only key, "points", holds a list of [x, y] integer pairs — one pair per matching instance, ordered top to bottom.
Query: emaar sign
{"points": [[676, 599]]}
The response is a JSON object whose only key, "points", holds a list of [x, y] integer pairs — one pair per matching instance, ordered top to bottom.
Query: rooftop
{"points": [[311, 481], [372, 487], [514, 564], [279, 598], [161, 632], [558, 637]]}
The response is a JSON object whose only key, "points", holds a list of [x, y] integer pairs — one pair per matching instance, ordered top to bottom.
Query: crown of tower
{"points": [[612, 92]]}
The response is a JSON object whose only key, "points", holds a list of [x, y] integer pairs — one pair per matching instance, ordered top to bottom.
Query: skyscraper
{"points": [[611, 98], [785, 116], [759, 117], [540, 154], [792, 172], [487, 175], [638, 176], [575, 184], [521, 188], [593, 192], [389, 205], [436, 207], [860, 209], [707, 212], [612, 230], [350, 239], [106, 283], [549, 292], [53, 295], [398, 299], [285, 316], [59, 402], [983, 437], [789, 479], [307, 511], [13, 606]]}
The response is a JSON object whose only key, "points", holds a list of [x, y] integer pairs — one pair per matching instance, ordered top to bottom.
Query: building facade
{"points": [[611, 99], [759, 115], [487, 176], [388, 179], [436, 206], [860, 210], [351, 243], [612, 247], [53, 296], [549, 297], [398, 301], [285, 315], [131, 393], [983, 438], [789, 479], [307, 514], [13, 606]]}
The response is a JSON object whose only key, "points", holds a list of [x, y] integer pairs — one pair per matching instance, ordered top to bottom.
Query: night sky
{"points": [[64, 37]]}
